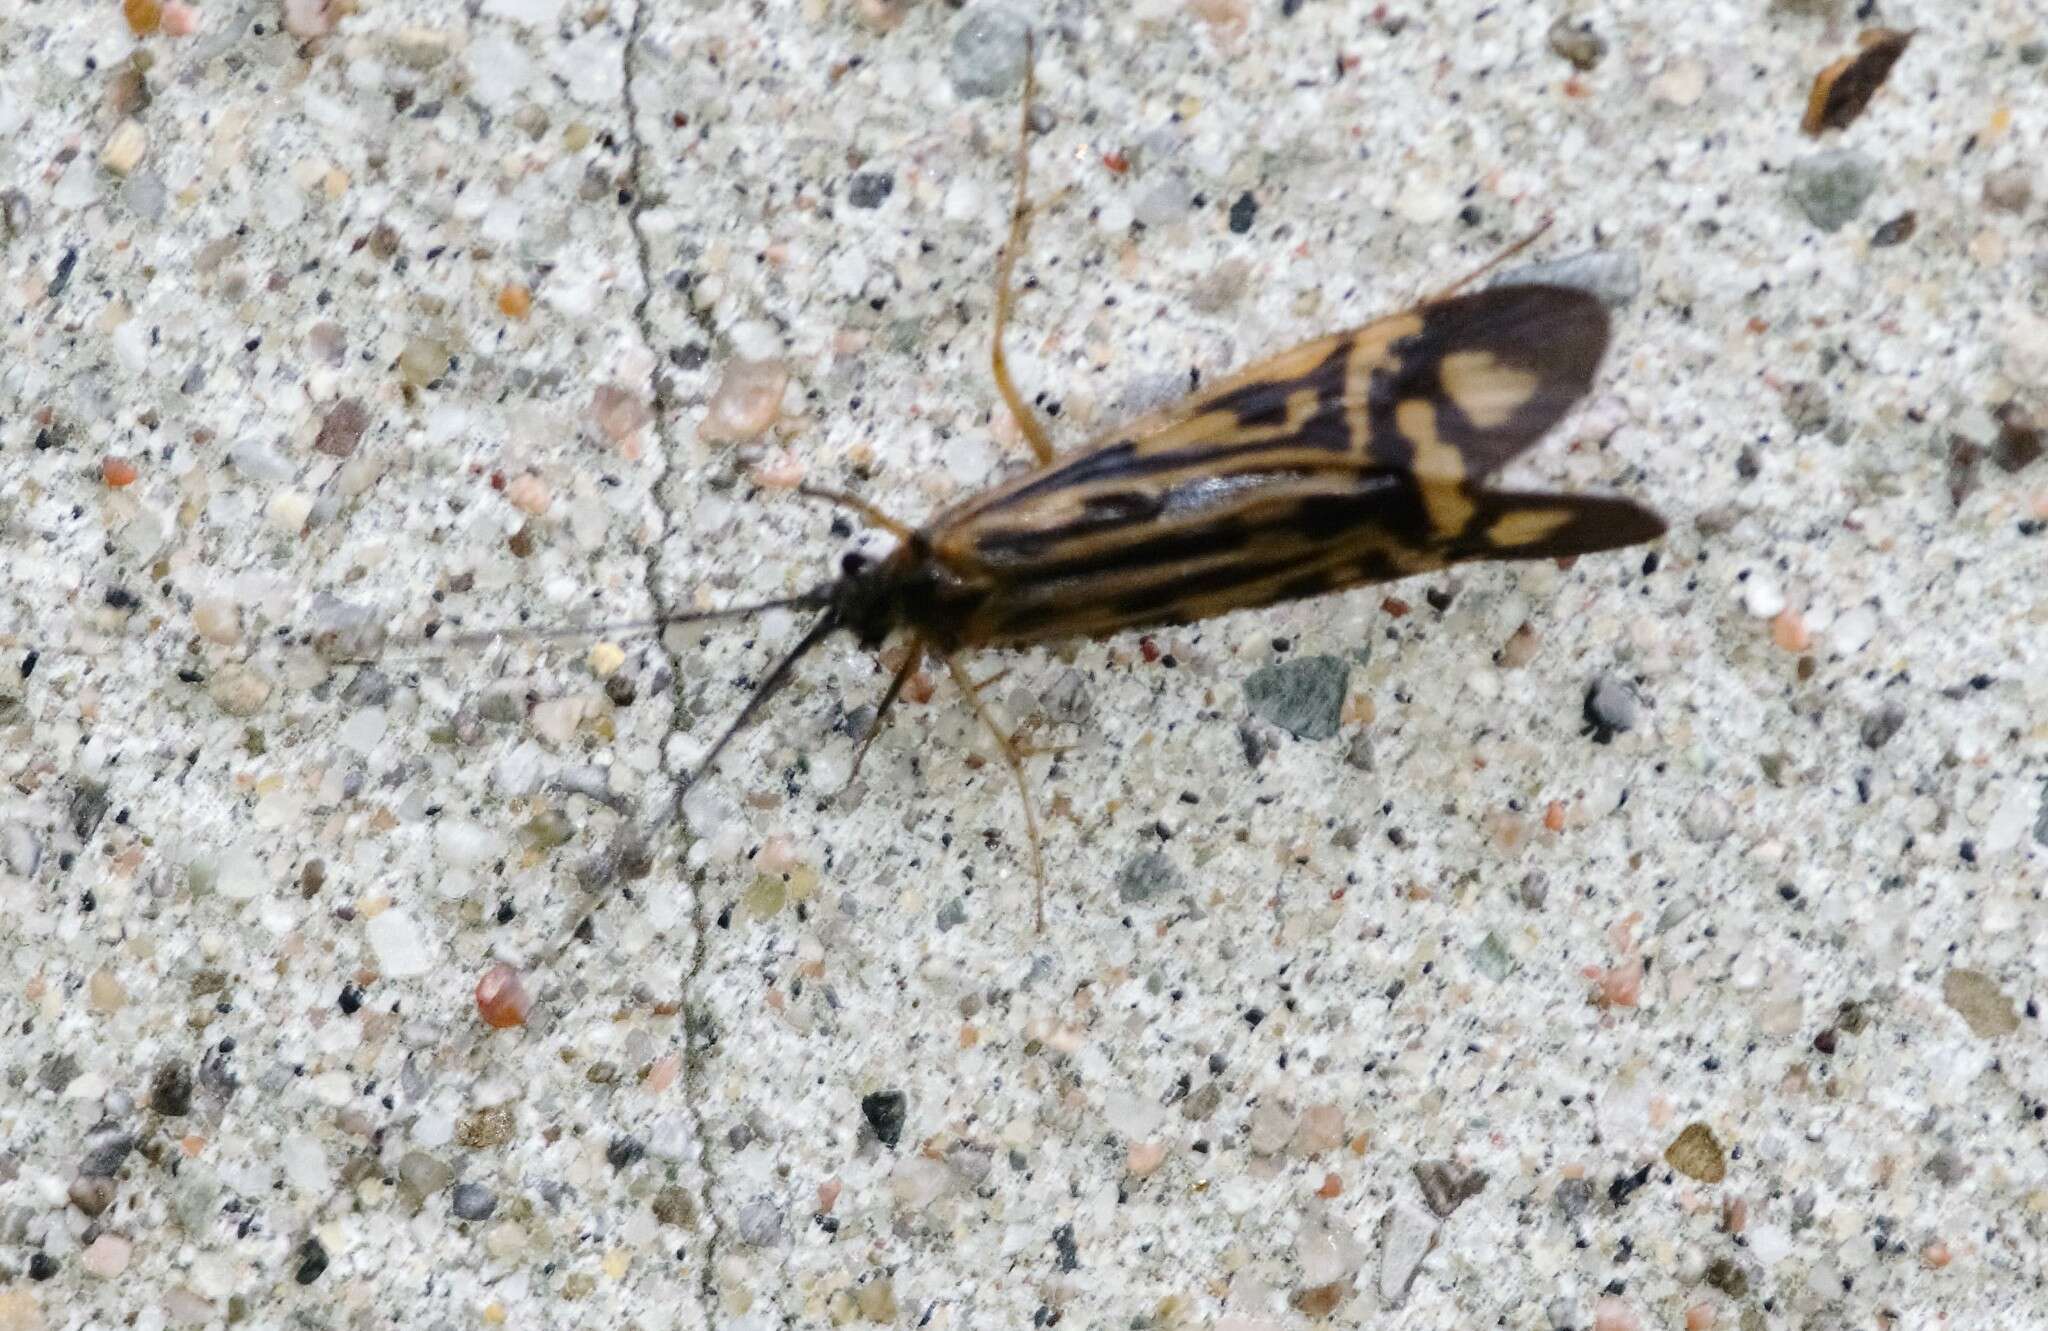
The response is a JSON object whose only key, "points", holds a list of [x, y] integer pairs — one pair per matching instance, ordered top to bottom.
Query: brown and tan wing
{"points": [[1444, 393], [1355, 459], [1267, 540]]}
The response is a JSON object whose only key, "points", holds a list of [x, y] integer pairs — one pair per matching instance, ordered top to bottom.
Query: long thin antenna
{"points": [[810, 600], [769, 687]]}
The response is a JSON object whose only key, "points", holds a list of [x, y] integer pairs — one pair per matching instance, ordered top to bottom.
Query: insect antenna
{"points": [[810, 600], [765, 691]]}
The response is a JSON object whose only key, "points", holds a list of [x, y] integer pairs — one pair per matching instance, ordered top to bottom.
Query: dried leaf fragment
{"points": [[1842, 90]]}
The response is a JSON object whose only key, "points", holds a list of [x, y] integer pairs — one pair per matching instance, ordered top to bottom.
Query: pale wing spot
{"points": [[1370, 348], [1488, 392], [1438, 467], [1527, 526]]}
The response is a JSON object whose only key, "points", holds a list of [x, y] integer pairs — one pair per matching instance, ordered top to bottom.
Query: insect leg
{"points": [[1020, 224], [1496, 261], [900, 530], [902, 677], [1016, 763]]}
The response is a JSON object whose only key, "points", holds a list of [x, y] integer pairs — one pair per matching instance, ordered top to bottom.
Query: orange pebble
{"points": [[143, 16], [514, 301], [117, 472], [1788, 630], [1553, 815], [501, 997], [1332, 1185], [1936, 1255], [1699, 1317]]}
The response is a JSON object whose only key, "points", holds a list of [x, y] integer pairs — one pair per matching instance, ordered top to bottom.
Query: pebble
{"points": [[1576, 41], [987, 55], [1683, 84], [124, 148], [1831, 188], [868, 189], [2010, 190], [1166, 200], [1243, 213], [1613, 276], [746, 402], [529, 494], [1762, 597], [218, 620], [238, 689], [1304, 697], [1612, 707], [1881, 725], [1146, 876], [400, 946], [502, 999], [1983, 1006], [170, 1090], [885, 1112], [106, 1146], [1697, 1154], [1143, 1159], [421, 1175], [1446, 1186], [472, 1201], [759, 1222], [1406, 1236], [107, 1256]]}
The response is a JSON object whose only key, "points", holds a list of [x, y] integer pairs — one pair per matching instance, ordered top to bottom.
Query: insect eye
{"points": [[852, 563]]}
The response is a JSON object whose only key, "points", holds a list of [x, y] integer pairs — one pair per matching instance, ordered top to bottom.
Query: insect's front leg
{"points": [[1020, 225]]}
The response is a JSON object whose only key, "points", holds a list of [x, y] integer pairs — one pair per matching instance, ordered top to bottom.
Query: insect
{"points": [[1357, 458]]}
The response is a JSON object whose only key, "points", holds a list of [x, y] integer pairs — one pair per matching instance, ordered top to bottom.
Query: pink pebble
{"points": [[180, 20]]}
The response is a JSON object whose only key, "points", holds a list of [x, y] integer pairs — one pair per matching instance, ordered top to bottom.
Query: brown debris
{"points": [[1842, 90], [343, 428], [2020, 438], [1697, 1154]]}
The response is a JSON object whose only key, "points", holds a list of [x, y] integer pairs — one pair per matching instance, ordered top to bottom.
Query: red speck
{"points": [[1575, 89], [1116, 162], [1756, 325], [117, 472], [497, 480], [1394, 606], [1148, 649], [1553, 816], [501, 997], [1332, 1185]]}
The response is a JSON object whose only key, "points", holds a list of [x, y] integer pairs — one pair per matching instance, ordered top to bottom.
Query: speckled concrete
{"points": [[1650, 943]]}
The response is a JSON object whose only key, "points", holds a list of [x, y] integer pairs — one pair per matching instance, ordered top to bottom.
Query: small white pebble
{"points": [[288, 510], [1762, 597], [556, 719], [399, 944]]}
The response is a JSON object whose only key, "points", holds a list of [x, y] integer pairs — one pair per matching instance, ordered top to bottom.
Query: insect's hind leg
{"points": [[1020, 226], [1016, 764]]}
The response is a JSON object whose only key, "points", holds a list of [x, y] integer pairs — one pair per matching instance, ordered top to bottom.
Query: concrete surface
{"points": [[1651, 943]]}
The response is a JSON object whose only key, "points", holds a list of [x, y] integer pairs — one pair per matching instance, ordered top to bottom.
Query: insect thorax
{"points": [[908, 589]]}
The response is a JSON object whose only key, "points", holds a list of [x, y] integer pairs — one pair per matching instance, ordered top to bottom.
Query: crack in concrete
{"points": [[695, 1026]]}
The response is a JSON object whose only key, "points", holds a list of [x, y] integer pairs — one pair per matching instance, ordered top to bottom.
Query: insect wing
{"points": [[1352, 459]]}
